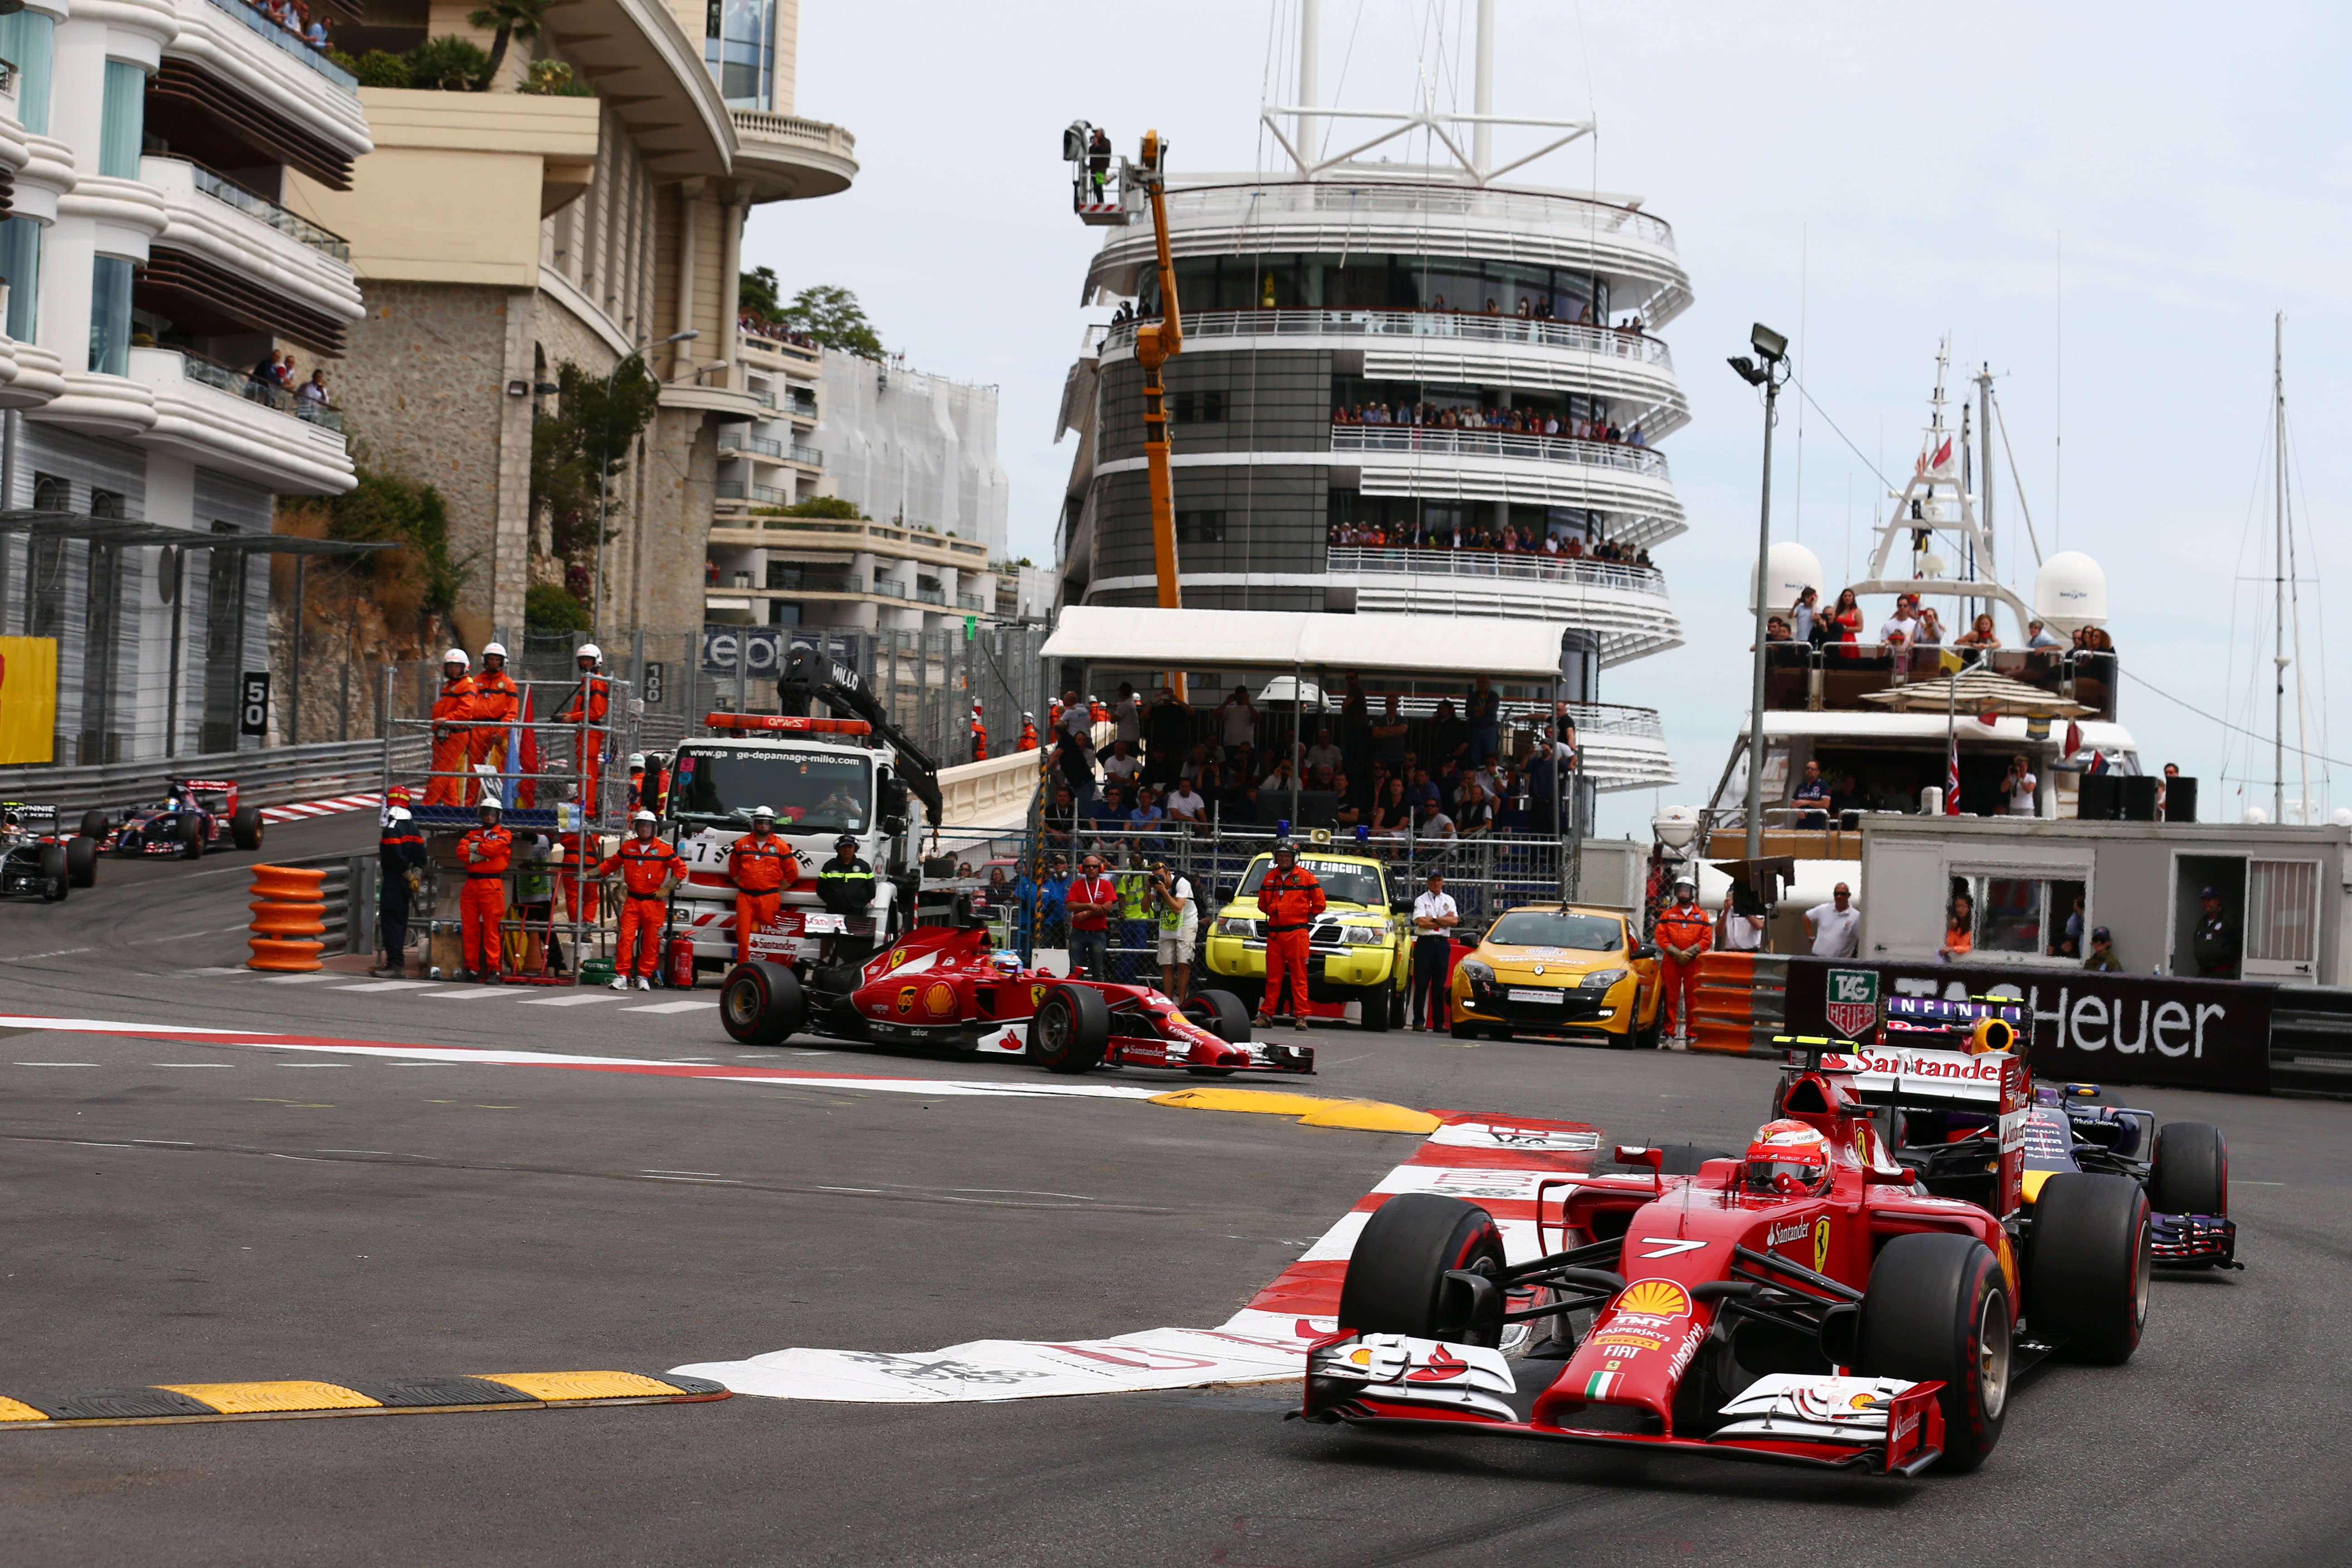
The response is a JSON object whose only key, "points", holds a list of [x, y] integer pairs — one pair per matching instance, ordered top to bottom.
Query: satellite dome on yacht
{"points": [[2070, 592]]}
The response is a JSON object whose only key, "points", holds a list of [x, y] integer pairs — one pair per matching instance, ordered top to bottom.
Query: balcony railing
{"points": [[316, 60], [813, 135], [1336, 203], [263, 210], [1443, 326], [268, 395], [801, 404], [1497, 444], [758, 445], [808, 454], [737, 491], [1498, 565], [815, 580], [889, 589], [932, 596], [969, 602], [1840, 676], [1615, 718]]}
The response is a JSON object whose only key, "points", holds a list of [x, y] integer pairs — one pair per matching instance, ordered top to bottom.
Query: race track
{"points": [[203, 1208]]}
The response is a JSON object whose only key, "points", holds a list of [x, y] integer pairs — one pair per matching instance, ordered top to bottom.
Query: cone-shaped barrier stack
{"points": [[287, 914]]}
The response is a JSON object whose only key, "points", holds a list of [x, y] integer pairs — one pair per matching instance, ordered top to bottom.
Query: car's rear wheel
{"points": [[94, 825], [245, 828], [188, 832], [81, 861], [54, 877], [1374, 1002], [760, 1004], [1071, 1030], [2192, 1170], [2086, 1265], [1396, 1281], [1936, 1311]]}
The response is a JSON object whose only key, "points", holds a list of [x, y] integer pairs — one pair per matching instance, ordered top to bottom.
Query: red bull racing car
{"points": [[196, 814], [942, 985], [1814, 1302]]}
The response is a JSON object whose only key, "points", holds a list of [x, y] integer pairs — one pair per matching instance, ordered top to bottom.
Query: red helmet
{"points": [[396, 796], [1786, 1158]]}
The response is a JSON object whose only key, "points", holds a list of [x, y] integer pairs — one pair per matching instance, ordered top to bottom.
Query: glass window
{"points": [[25, 38], [123, 120], [20, 267], [110, 316], [811, 791], [1344, 881], [1545, 927]]}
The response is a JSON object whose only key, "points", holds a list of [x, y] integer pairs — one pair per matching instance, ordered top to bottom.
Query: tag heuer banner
{"points": [[1851, 1002]]}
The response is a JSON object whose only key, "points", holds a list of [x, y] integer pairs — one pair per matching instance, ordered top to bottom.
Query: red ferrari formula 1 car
{"points": [[197, 814], [942, 985], [1810, 1304]]}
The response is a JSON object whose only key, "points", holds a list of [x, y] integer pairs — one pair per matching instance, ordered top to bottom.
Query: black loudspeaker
{"points": [[2137, 797], [2097, 800], [2180, 800]]}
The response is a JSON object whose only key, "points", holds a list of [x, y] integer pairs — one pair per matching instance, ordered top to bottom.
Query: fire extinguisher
{"points": [[680, 962]]}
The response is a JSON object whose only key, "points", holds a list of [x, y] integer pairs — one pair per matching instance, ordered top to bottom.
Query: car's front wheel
{"points": [[188, 832], [54, 877], [1375, 1002], [760, 1004], [1071, 1030], [2086, 1265], [1396, 1281], [1936, 1311]]}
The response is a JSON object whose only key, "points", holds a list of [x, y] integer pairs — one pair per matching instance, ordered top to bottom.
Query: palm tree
{"points": [[513, 19]]}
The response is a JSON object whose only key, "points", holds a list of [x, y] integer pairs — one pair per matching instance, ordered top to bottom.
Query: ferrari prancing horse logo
{"points": [[1822, 1245]]}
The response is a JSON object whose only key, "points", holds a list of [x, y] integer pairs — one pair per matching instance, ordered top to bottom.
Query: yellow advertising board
{"points": [[29, 700]]}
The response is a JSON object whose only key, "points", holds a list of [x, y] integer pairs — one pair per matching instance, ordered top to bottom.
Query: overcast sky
{"points": [[2136, 189]]}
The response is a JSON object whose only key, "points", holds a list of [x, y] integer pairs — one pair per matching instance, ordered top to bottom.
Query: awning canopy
{"points": [[129, 531], [1448, 646], [1978, 690]]}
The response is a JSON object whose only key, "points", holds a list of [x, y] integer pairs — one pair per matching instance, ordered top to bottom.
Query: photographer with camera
{"points": [[1179, 929]]}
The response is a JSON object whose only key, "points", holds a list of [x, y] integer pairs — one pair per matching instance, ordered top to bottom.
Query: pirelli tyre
{"points": [[94, 825], [245, 828], [188, 832], [81, 861], [54, 877], [760, 1004], [1220, 1012], [1071, 1030], [2192, 1170], [2086, 1265], [1398, 1279], [1936, 1311]]}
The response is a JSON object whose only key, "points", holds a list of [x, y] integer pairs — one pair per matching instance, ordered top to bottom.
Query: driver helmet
{"points": [[1007, 962], [1786, 1158]]}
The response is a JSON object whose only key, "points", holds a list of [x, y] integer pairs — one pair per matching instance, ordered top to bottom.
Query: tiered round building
{"points": [[1399, 392]]}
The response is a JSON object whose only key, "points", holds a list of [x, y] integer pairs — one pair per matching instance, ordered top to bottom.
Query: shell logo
{"points": [[940, 999], [1655, 1298], [1866, 1400]]}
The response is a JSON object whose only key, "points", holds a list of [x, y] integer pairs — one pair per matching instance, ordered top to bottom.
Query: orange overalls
{"points": [[595, 694], [497, 700], [452, 710], [1028, 738], [485, 853], [646, 866], [760, 869], [1290, 900], [1684, 925]]}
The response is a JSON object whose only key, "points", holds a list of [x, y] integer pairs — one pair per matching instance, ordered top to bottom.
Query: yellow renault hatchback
{"points": [[1558, 971]]}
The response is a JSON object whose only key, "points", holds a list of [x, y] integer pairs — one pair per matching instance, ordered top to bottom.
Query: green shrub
{"points": [[447, 65], [377, 69], [554, 78], [548, 609]]}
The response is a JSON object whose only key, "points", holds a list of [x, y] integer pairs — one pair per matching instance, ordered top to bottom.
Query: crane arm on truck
{"points": [[809, 677]]}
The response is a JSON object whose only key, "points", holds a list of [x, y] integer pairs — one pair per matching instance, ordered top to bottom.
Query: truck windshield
{"points": [[810, 792], [1344, 881]]}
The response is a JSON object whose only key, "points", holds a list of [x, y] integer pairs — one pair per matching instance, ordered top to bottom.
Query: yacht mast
{"points": [[1310, 51], [1482, 135], [1984, 452], [2278, 568]]}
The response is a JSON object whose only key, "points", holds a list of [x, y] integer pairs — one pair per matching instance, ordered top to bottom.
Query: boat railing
{"points": [[1840, 677]]}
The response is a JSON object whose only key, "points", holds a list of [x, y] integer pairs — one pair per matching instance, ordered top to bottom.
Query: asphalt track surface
{"points": [[293, 1215]]}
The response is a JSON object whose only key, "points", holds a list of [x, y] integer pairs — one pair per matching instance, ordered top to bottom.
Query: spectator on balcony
{"points": [[316, 33], [262, 380], [314, 391], [1803, 613], [1845, 619], [1900, 625], [1775, 630], [1930, 630], [1979, 634], [2038, 635], [1126, 714], [1168, 725], [1389, 735], [1452, 737], [1194, 760], [1077, 765], [1120, 766], [1280, 782], [1210, 784], [1421, 789], [1812, 790], [1239, 807], [1477, 811], [1391, 813], [1147, 814], [1060, 817], [1434, 822], [1959, 929]]}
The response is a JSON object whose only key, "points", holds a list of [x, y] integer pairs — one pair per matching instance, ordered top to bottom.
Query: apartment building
{"points": [[498, 235], [151, 263]]}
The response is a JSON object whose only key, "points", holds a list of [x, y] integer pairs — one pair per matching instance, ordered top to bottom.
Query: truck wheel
{"points": [[94, 825], [245, 828], [188, 832], [81, 861], [54, 877], [1375, 1002], [761, 1003], [1222, 1014], [1071, 1030], [2192, 1170], [2086, 1265], [1396, 1282], [1936, 1311]]}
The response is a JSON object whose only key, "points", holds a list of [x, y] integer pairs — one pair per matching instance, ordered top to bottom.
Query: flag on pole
{"points": [[2073, 740], [522, 755], [1952, 776]]}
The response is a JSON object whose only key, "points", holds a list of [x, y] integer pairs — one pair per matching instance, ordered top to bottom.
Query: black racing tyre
{"points": [[94, 825], [245, 828], [188, 832], [81, 861], [54, 877], [1374, 1001], [760, 1004], [1220, 1012], [1071, 1030], [1461, 1031], [1684, 1158], [2192, 1170], [2086, 1265], [1396, 1281], [1937, 1309]]}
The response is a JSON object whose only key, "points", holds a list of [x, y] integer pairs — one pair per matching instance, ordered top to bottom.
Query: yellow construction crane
{"points": [[1141, 183]]}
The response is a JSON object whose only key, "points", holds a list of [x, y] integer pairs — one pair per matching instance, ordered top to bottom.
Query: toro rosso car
{"points": [[197, 815], [37, 859], [942, 985], [1810, 1303]]}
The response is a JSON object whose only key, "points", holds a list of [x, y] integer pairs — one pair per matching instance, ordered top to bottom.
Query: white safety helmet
{"points": [[494, 648], [590, 650], [457, 656], [1025, 714], [636, 759], [490, 803], [763, 814], [644, 816]]}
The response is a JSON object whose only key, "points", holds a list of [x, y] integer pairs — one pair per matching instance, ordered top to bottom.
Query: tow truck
{"points": [[849, 771]]}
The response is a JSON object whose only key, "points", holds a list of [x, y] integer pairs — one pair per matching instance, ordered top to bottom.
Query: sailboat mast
{"points": [[2278, 566]]}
